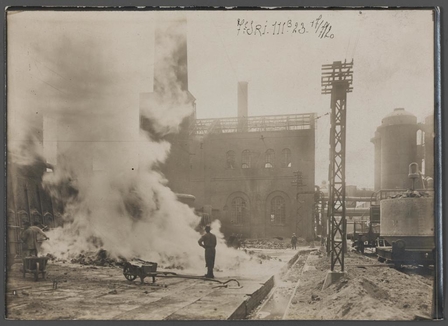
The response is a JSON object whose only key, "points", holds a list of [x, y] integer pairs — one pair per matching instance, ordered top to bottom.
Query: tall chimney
{"points": [[242, 107]]}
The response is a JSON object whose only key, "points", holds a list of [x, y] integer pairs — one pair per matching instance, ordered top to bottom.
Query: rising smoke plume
{"points": [[106, 177]]}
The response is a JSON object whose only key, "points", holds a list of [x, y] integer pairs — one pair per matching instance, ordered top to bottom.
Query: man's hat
{"points": [[208, 228]]}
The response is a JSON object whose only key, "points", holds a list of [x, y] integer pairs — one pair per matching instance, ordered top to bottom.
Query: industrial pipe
{"points": [[357, 199], [349, 211]]}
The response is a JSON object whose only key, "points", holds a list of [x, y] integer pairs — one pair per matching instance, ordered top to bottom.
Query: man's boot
{"points": [[210, 272]]}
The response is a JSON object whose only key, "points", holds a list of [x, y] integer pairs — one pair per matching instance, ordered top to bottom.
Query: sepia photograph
{"points": [[220, 164]]}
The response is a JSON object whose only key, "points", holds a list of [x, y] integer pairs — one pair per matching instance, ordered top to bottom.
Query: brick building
{"points": [[240, 170], [246, 175]]}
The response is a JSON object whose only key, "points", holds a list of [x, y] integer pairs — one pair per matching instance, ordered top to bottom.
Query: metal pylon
{"points": [[337, 79]]}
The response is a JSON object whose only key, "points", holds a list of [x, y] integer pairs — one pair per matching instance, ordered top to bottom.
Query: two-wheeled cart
{"points": [[35, 266], [131, 271]]}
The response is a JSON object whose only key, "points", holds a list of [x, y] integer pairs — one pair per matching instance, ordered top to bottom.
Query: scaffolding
{"points": [[288, 122]]}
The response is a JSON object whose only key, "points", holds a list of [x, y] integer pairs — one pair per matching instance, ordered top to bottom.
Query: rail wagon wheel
{"points": [[127, 272]]}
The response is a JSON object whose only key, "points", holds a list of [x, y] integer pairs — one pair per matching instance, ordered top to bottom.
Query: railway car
{"points": [[407, 230], [366, 232]]}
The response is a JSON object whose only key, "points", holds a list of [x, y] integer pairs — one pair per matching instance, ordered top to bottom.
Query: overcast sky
{"points": [[87, 63]]}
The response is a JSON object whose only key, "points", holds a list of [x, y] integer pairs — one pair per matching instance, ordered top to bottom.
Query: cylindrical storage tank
{"points": [[398, 133], [429, 146], [377, 173], [410, 220]]}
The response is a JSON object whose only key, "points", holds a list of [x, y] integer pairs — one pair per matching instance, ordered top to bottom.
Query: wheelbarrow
{"points": [[36, 266], [131, 272]]}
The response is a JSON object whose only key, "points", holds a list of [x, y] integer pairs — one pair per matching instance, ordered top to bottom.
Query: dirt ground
{"points": [[93, 287], [368, 291]]}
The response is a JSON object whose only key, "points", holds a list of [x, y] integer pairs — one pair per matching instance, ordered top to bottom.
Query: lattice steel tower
{"points": [[337, 79]]}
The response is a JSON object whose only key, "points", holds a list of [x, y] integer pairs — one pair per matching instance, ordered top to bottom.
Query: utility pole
{"points": [[337, 79], [298, 182], [319, 207]]}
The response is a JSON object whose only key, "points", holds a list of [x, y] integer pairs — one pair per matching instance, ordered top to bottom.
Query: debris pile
{"points": [[410, 194], [274, 243], [260, 255], [50, 257], [100, 258]]}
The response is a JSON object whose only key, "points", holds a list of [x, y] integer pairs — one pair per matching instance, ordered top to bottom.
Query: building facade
{"points": [[240, 170], [249, 175]]}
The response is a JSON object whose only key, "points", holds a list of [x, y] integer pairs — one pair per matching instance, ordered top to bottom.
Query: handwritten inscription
{"points": [[318, 27]]}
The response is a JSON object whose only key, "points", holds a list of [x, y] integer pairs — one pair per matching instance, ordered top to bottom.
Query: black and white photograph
{"points": [[220, 164]]}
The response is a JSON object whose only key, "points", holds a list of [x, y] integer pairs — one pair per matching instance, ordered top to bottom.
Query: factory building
{"points": [[244, 168], [240, 170], [243, 171], [253, 173], [26, 200]]}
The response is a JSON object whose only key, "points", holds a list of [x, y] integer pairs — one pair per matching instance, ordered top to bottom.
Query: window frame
{"points": [[269, 156], [286, 158], [230, 159], [246, 159], [236, 202], [278, 208]]}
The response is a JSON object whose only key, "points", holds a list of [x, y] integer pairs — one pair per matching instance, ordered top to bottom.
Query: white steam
{"points": [[106, 177]]}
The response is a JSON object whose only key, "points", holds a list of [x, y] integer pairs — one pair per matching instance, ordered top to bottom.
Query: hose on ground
{"points": [[175, 275]]}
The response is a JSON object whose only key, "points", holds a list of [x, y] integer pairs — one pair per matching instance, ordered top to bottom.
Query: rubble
{"points": [[410, 194], [274, 243], [50, 257], [100, 258]]}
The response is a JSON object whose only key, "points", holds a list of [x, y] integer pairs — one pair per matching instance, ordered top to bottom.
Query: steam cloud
{"points": [[106, 178]]}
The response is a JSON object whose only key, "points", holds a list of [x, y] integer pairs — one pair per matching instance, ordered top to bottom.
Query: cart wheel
{"points": [[128, 273]]}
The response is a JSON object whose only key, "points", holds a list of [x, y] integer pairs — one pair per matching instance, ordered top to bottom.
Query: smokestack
{"points": [[242, 107]]}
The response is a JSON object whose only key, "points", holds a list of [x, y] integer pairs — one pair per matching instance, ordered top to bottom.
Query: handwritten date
{"points": [[318, 27]]}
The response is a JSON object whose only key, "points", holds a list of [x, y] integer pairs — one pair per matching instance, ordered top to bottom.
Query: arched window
{"points": [[286, 158], [230, 159], [245, 159], [269, 162], [238, 210], [278, 210], [36, 216], [23, 217], [48, 219]]}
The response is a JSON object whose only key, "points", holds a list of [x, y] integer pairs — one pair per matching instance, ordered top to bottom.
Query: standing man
{"points": [[30, 239], [208, 241], [294, 241]]}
